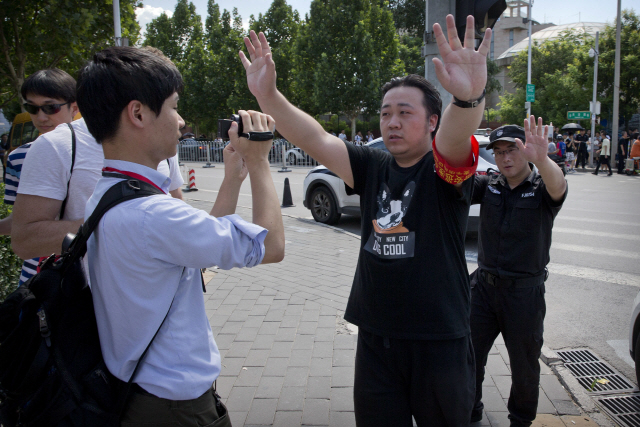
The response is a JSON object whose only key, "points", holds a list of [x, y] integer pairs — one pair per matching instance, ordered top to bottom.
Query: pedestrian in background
{"points": [[369, 136], [358, 138], [581, 140], [623, 150], [571, 153], [605, 155]]}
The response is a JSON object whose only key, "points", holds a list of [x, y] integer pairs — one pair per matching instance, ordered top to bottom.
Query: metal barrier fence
{"points": [[282, 153]]}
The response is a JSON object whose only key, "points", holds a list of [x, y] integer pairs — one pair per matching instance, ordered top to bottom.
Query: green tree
{"points": [[408, 16], [280, 25], [55, 33], [175, 36], [182, 39], [345, 52], [410, 53], [629, 67], [553, 72], [493, 85], [240, 98], [10, 264]]}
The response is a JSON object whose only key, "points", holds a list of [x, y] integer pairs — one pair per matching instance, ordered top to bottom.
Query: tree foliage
{"points": [[408, 16], [55, 33], [345, 52], [553, 70], [563, 74], [10, 264]]}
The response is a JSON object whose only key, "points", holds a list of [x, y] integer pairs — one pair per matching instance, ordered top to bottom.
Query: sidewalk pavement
{"points": [[288, 355]]}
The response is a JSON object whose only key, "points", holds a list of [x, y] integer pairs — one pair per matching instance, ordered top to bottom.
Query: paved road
{"points": [[595, 258]]}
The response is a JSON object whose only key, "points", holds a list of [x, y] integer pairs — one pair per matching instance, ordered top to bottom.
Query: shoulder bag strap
{"points": [[73, 162], [118, 193]]}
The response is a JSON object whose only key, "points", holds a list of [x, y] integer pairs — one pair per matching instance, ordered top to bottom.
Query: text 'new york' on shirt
{"points": [[411, 280]]}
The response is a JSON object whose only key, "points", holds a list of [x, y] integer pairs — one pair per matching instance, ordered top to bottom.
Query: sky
{"points": [[558, 12]]}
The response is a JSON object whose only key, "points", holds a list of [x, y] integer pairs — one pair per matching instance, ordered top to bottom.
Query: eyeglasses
{"points": [[48, 109], [508, 151]]}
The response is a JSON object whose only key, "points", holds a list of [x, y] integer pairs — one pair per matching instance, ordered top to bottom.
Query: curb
{"points": [[575, 390]]}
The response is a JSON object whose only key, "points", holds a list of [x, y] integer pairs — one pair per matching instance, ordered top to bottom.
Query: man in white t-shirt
{"points": [[50, 100], [343, 135], [605, 155], [37, 231]]}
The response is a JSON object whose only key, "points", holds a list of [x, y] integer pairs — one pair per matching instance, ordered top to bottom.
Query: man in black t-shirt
{"points": [[623, 151], [583, 153], [517, 210], [410, 296]]}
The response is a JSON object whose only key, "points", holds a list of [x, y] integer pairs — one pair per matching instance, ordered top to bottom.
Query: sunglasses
{"points": [[48, 109]]}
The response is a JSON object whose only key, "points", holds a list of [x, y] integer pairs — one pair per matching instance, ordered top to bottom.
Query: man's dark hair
{"points": [[115, 77], [52, 83], [430, 99]]}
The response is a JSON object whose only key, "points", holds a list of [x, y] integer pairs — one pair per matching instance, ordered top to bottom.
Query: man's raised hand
{"points": [[261, 70], [462, 71], [536, 148]]}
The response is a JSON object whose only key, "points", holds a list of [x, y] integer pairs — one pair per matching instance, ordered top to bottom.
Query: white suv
{"points": [[326, 197], [634, 335]]}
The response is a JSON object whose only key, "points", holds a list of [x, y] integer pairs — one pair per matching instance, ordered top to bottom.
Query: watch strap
{"points": [[469, 104], [257, 136]]}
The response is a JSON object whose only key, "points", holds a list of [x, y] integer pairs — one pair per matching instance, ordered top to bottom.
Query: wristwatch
{"points": [[469, 104]]}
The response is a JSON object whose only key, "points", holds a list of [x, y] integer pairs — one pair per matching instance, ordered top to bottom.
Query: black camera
{"points": [[224, 125]]}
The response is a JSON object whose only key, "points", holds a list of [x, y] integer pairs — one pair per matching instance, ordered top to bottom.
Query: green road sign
{"points": [[531, 93], [578, 115]]}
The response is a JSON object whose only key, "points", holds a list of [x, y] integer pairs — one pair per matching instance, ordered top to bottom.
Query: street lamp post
{"points": [[594, 53], [528, 104]]}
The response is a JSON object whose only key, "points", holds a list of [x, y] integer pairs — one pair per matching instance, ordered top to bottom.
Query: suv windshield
{"points": [[487, 155]]}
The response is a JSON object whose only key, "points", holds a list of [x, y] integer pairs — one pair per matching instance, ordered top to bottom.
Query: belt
{"points": [[525, 282]]}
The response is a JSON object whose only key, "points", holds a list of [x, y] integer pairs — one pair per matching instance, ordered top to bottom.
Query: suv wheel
{"points": [[292, 159], [323, 206], [636, 353]]}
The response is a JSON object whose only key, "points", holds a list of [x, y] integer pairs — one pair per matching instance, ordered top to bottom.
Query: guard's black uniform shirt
{"points": [[515, 225]]}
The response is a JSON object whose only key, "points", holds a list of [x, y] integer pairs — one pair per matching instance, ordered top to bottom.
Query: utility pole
{"points": [[436, 11], [119, 40], [596, 53], [616, 85], [528, 104]]}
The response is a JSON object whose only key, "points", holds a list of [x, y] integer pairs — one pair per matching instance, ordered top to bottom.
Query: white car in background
{"points": [[325, 195]]}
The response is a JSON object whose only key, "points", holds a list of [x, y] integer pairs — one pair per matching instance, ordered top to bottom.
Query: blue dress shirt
{"points": [[144, 254]]}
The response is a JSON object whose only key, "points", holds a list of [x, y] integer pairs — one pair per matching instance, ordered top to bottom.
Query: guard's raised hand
{"points": [[261, 70], [462, 71], [536, 148]]}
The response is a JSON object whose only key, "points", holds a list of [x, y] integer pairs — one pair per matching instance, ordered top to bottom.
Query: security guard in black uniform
{"points": [[517, 210]]}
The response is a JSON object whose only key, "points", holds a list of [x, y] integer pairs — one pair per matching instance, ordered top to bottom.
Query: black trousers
{"points": [[582, 158], [603, 160], [621, 160], [517, 313], [433, 381], [146, 410]]}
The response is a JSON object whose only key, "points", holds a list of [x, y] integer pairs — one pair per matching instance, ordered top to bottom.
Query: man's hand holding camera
{"points": [[252, 150]]}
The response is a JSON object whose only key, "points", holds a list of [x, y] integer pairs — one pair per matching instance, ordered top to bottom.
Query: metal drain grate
{"points": [[577, 356], [587, 368], [625, 409]]}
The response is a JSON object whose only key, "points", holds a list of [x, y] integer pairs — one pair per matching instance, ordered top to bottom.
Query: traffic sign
{"points": [[531, 93], [578, 115]]}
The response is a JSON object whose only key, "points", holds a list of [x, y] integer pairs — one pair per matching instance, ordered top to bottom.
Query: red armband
{"points": [[456, 175]]}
